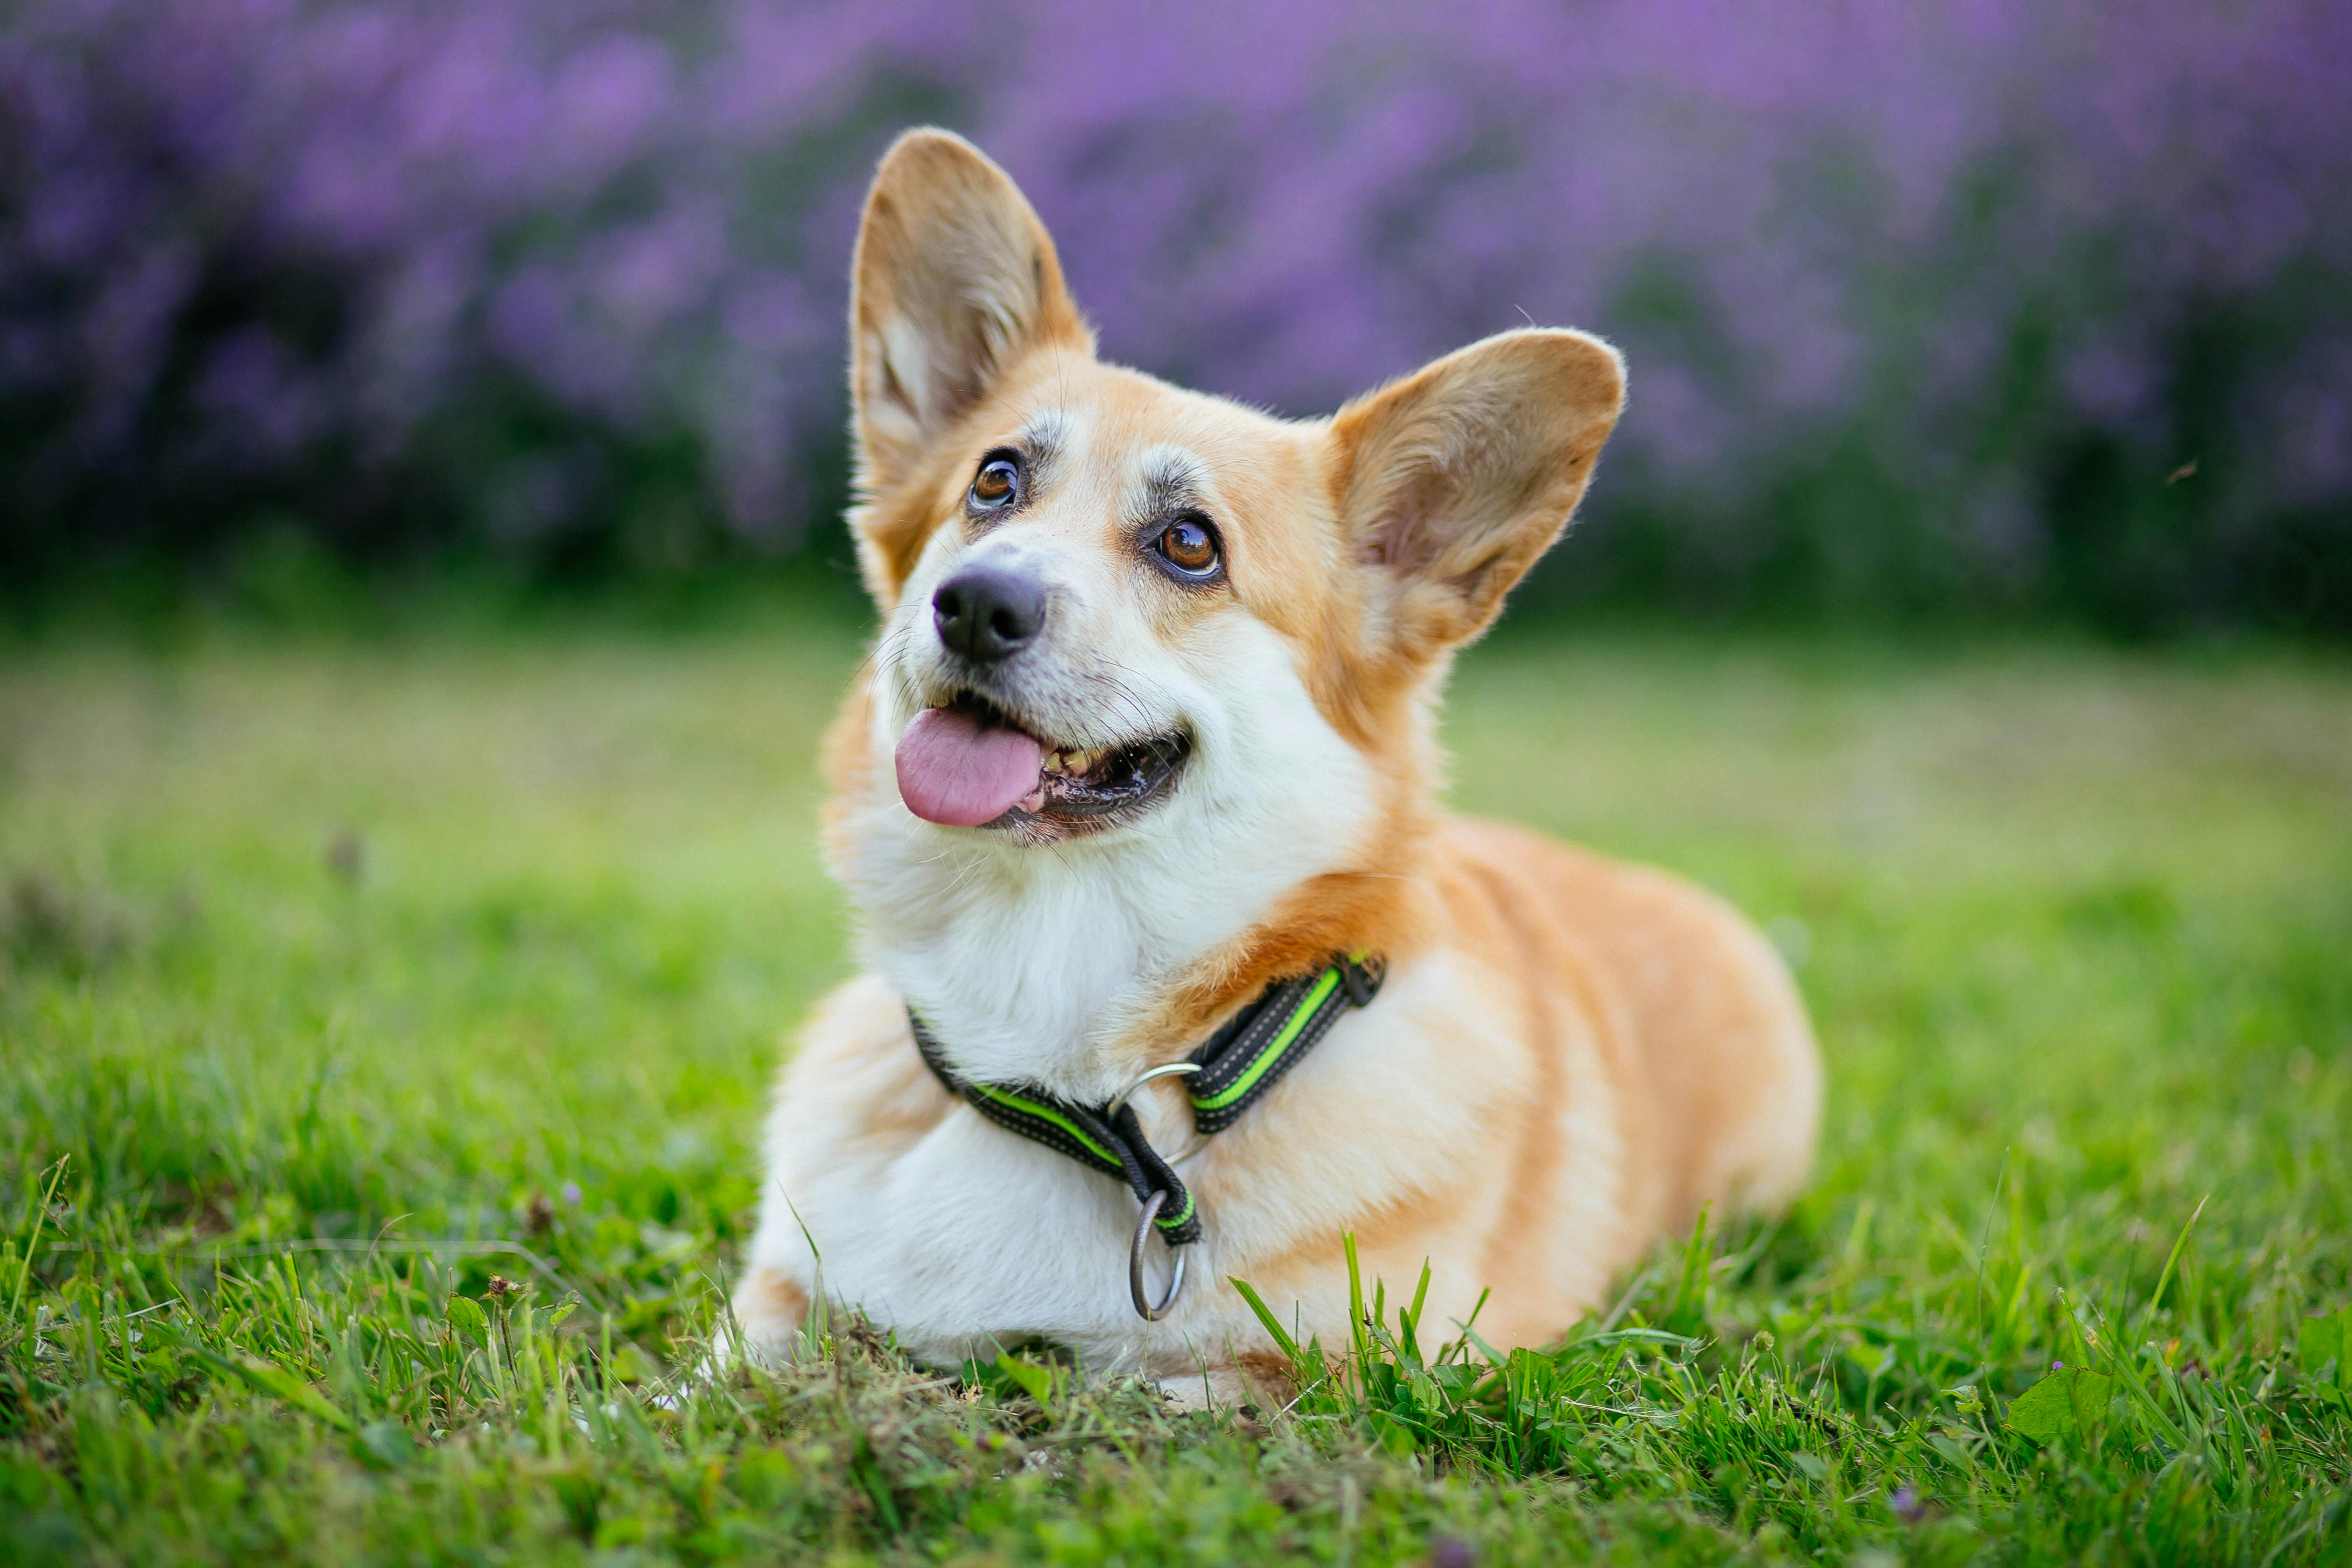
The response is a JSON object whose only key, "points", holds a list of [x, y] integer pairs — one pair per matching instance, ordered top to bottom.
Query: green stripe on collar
{"points": [[1291, 1028], [1249, 1056], [1238, 1065], [1047, 1113], [1181, 1218]]}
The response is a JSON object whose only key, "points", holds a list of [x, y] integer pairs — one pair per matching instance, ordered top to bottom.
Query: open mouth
{"points": [[968, 763]]}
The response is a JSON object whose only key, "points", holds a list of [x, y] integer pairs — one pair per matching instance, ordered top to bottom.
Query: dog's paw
{"points": [[764, 1320], [1212, 1388]]}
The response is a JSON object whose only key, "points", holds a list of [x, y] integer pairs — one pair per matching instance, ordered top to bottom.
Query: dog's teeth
{"points": [[1071, 764]]}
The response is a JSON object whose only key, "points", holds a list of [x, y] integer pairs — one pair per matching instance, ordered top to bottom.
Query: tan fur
{"points": [[1571, 1056]]}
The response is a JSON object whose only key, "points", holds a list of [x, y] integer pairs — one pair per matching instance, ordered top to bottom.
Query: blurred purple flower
{"points": [[1957, 238]]}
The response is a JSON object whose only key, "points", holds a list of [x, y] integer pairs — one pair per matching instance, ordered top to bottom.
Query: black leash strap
{"points": [[1271, 1035], [1238, 1065], [1115, 1145]]}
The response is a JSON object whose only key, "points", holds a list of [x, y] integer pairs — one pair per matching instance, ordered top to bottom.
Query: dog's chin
{"points": [[1083, 790]]}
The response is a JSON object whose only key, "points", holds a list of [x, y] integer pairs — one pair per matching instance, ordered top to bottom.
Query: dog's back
{"points": [[1719, 1076]]}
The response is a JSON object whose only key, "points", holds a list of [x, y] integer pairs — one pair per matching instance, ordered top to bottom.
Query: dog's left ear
{"points": [[1455, 479]]}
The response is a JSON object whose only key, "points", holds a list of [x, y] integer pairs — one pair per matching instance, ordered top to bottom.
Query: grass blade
{"points": [[1273, 1325]]}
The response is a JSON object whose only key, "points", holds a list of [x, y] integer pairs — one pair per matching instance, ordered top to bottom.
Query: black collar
{"points": [[1238, 1063]]}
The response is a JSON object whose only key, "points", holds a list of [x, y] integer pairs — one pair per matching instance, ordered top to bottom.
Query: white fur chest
{"points": [[967, 1238], [976, 1239]]}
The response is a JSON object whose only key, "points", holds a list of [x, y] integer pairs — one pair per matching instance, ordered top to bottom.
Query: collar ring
{"points": [[1144, 1306]]}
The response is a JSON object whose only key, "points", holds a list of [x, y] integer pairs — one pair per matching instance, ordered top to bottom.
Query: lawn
{"points": [[383, 1029]]}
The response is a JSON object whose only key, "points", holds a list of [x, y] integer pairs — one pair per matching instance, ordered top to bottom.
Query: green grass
{"points": [[344, 979]]}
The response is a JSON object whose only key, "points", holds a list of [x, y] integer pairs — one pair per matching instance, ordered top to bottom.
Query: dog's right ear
{"points": [[955, 281]]}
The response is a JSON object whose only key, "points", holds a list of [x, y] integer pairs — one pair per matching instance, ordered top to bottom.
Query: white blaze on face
{"points": [[1013, 953]]}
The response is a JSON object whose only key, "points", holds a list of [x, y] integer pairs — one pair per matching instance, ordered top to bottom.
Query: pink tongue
{"points": [[953, 772]]}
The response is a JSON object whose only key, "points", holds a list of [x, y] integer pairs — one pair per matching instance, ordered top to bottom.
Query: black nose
{"points": [[986, 614]]}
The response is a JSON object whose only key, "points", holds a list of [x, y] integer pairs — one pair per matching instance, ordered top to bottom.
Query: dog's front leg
{"points": [[769, 1310]]}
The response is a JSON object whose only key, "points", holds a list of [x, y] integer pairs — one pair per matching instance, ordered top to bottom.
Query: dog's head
{"points": [[1118, 610]]}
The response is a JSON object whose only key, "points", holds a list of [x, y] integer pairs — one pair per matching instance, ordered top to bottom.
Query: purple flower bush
{"points": [[1927, 306]]}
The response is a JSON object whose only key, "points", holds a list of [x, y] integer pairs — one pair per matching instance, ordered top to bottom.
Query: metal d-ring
{"points": [[1171, 1070], [1192, 1144], [1151, 1207], [1143, 1307]]}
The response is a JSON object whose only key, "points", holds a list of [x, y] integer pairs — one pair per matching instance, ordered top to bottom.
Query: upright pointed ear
{"points": [[955, 281], [1455, 479]]}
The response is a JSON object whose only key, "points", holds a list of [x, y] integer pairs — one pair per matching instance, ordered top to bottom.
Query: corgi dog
{"points": [[1139, 794]]}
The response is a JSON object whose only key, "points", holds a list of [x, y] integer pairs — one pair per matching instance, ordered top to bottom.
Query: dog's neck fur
{"points": [[1073, 967]]}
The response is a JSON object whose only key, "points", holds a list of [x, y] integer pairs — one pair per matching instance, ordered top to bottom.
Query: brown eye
{"points": [[998, 481], [1188, 545]]}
